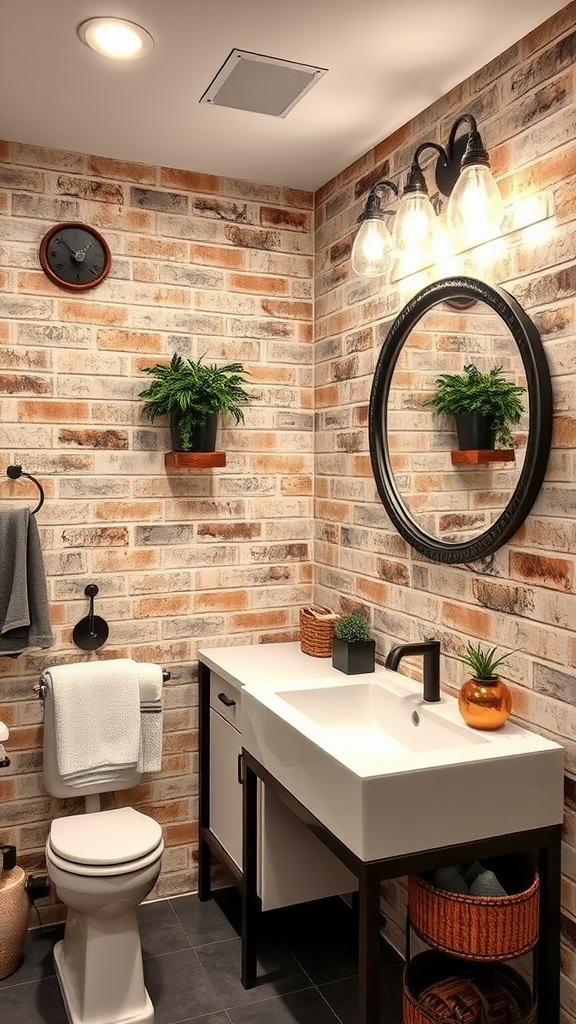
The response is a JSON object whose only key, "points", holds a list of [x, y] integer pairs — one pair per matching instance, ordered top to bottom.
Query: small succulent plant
{"points": [[352, 627], [482, 663]]}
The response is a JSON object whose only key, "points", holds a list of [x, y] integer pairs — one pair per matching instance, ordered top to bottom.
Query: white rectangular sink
{"points": [[373, 722], [389, 774]]}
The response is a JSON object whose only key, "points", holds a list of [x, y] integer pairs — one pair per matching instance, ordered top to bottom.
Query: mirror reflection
{"points": [[452, 495]]}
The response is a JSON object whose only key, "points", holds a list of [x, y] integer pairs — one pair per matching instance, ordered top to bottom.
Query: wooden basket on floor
{"points": [[316, 631], [479, 927], [440, 989]]}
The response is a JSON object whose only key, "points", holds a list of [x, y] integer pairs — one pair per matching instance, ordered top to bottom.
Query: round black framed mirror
{"points": [[482, 502]]}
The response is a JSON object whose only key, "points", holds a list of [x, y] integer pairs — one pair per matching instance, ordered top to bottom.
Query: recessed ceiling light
{"points": [[114, 37]]}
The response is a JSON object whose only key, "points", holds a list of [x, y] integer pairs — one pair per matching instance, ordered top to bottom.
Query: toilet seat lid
{"points": [[105, 837]]}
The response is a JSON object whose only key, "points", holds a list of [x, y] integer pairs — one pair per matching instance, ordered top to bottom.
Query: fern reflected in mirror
{"points": [[455, 362], [489, 394]]}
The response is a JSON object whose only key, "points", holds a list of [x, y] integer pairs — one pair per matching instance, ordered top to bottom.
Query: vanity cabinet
{"points": [[225, 767], [294, 866]]}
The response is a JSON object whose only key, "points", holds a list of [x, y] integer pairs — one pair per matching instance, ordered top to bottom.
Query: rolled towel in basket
{"points": [[317, 612], [486, 884]]}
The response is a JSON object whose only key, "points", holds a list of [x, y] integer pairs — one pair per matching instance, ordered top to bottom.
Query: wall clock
{"points": [[75, 256]]}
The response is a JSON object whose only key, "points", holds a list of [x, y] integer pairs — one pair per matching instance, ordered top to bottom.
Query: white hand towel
{"points": [[150, 682], [97, 718]]}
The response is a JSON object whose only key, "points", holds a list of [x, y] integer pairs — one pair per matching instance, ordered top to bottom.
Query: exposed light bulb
{"points": [[113, 37], [475, 210], [414, 226], [372, 248]]}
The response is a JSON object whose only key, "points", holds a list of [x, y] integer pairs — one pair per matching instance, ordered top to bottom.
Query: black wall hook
{"points": [[16, 471], [92, 631]]}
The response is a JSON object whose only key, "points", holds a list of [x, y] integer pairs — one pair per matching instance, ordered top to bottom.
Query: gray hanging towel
{"points": [[24, 613]]}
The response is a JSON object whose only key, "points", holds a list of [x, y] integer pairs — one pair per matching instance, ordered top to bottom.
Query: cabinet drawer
{"points": [[225, 699], [225, 789]]}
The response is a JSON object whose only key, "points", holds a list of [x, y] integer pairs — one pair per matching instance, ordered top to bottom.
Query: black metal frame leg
{"points": [[204, 852], [204, 871], [250, 902], [369, 946], [548, 951]]}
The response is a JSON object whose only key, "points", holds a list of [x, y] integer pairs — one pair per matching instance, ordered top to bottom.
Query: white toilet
{"points": [[103, 864]]}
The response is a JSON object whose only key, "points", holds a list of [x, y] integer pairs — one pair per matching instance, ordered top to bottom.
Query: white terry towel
{"points": [[150, 683], [97, 719]]}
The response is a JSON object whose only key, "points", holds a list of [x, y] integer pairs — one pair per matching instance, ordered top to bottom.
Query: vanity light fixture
{"points": [[116, 38], [474, 211], [372, 249]]}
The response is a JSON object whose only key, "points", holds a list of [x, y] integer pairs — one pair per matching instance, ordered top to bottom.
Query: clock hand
{"points": [[64, 242], [80, 253]]}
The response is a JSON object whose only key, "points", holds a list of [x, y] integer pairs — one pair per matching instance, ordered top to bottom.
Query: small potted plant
{"points": [[192, 393], [484, 405], [352, 649], [484, 700]]}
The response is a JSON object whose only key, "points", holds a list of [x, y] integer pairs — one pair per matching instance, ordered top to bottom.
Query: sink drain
{"points": [[415, 718]]}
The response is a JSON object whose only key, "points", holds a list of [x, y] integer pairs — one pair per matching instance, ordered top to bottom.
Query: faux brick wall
{"points": [[199, 265], [224, 267], [524, 596]]}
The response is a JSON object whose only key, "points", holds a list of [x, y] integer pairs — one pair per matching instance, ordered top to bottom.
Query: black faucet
{"points": [[430, 649]]}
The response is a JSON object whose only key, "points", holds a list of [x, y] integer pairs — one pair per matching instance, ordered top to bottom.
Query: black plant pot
{"points": [[474, 431], [203, 435], [353, 657]]}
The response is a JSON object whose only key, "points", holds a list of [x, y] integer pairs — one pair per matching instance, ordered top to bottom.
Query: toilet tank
{"points": [[52, 781]]}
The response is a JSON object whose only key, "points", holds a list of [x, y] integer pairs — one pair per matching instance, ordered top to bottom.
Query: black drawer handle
{"points": [[226, 700]]}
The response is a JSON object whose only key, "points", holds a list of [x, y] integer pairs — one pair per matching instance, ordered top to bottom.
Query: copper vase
{"points": [[485, 703]]}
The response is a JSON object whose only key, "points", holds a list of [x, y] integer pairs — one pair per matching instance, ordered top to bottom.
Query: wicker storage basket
{"points": [[316, 631], [14, 907], [479, 927], [440, 989]]}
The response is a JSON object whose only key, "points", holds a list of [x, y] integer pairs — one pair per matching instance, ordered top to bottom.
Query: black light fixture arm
{"points": [[475, 152], [416, 182], [373, 209]]}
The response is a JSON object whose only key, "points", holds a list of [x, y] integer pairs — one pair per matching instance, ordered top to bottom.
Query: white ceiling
{"points": [[386, 59]]}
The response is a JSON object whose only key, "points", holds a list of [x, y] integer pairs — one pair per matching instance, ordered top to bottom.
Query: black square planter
{"points": [[353, 658]]}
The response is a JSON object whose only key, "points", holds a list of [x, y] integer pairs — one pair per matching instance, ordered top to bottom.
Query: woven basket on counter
{"points": [[316, 631], [479, 927], [440, 989]]}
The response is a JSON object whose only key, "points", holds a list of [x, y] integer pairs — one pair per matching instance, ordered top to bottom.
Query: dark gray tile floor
{"points": [[307, 967]]}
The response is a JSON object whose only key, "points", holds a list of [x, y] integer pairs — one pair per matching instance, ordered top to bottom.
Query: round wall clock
{"points": [[75, 256]]}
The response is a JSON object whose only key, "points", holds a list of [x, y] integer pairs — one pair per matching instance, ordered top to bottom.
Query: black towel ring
{"points": [[16, 471]]}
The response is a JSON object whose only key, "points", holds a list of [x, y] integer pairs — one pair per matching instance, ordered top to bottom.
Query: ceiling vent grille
{"points": [[263, 85]]}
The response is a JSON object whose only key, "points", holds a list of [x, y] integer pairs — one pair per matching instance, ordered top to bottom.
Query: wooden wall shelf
{"points": [[481, 456], [194, 460]]}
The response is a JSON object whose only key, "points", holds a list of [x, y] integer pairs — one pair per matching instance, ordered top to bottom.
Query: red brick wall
{"points": [[199, 265], [524, 596]]}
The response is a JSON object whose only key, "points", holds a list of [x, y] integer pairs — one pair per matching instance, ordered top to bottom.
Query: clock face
{"points": [[75, 256]]}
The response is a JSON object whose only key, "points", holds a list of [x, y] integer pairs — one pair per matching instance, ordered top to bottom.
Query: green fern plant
{"points": [[189, 391], [487, 393], [353, 628], [482, 663]]}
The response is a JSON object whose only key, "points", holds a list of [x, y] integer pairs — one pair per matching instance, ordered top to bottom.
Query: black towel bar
{"points": [[16, 471]]}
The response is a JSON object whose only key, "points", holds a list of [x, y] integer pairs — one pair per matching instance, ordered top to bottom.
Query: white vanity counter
{"points": [[261, 663]]}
